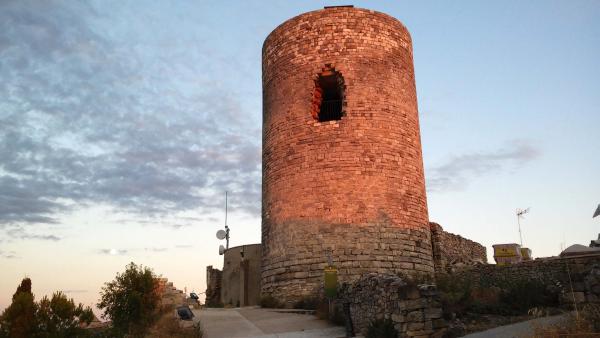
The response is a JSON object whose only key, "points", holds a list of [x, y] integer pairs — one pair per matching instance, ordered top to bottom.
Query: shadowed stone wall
{"points": [[352, 188], [450, 250], [583, 272], [213, 286], [415, 310]]}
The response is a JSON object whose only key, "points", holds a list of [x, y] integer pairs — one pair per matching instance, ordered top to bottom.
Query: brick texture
{"points": [[351, 188]]}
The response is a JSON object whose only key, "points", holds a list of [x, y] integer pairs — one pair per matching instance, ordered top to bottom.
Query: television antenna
{"points": [[520, 214], [224, 234]]}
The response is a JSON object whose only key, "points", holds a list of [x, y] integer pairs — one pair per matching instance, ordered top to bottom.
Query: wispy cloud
{"points": [[129, 119], [456, 173], [18, 232], [183, 246], [155, 249], [127, 251], [113, 252], [8, 254]]}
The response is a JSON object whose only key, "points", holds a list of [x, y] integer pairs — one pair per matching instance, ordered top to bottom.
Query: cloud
{"points": [[94, 112], [456, 173], [17, 232], [183, 246], [155, 249], [112, 252], [122, 252], [8, 254]]}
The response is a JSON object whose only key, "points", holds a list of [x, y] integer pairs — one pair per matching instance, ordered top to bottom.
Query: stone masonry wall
{"points": [[354, 188], [450, 250], [582, 271], [213, 286], [415, 310]]}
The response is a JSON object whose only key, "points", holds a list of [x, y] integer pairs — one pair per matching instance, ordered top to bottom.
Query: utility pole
{"points": [[520, 214], [226, 227]]}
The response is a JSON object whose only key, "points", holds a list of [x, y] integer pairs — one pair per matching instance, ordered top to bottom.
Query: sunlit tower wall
{"points": [[342, 161]]}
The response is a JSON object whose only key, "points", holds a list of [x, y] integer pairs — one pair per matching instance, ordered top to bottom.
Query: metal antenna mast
{"points": [[520, 214], [226, 227], [224, 234]]}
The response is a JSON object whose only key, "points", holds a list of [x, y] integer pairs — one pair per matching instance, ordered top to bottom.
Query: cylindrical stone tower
{"points": [[342, 163]]}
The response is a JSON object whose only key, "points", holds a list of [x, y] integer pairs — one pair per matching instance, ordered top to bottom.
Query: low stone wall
{"points": [[450, 250], [582, 272], [415, 310]]}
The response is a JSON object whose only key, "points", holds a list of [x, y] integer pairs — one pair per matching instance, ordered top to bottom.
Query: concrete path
{"points": [[263, 323], [518, 330]]}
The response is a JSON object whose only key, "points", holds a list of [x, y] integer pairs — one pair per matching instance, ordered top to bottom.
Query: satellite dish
{"points": [[597, 213], [221, 234], [221, 249]]}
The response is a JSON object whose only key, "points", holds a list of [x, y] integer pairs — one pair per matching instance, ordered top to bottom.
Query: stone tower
{"points": [[342, 163]]}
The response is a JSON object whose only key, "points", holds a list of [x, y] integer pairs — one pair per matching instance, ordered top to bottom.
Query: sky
{"points": [[123, 123]]}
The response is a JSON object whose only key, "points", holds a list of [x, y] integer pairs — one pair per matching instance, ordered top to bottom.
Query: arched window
{"points": [[328, 98]]}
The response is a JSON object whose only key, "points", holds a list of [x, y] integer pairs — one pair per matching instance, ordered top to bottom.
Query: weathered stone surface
{"points": [[353, 188], [450, 250], [558, 273], [214, 278], [369, 299]]}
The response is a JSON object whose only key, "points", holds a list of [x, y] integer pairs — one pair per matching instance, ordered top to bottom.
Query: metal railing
{"points": [[330, 110]]}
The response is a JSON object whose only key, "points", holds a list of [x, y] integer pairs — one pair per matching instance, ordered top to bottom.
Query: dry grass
{"points": [[586, 325], [170, 326]]}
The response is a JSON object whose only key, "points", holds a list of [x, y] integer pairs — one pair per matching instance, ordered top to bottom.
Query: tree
{"points": [[131, 301], [58, 317], [18, 319]]}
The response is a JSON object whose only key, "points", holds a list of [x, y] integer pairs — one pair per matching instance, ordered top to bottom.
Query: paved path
{"points": [[263, 323], [517, 330]]}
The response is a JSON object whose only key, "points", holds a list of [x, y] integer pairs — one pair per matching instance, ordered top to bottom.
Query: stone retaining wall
{"points": [[450, 250], [582, 272], [415, 310]]}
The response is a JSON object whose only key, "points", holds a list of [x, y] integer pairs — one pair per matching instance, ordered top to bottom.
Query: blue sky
{"points": [[123, 123]]}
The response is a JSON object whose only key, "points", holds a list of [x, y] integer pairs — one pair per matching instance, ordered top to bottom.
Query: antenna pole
{"points": [[519, 222], [226, 227]]}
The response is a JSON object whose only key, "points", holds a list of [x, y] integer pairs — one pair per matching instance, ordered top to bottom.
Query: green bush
{"points": [[455, 294], [522, 295], [131, 301], [268, 301], [307, 303], [382, 328]]}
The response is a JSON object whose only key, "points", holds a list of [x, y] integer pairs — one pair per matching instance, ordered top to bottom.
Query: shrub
{"points": [[455, 294], [524, 294], [131, 301], [268, 301], [307, 303], [169, 326], [382, 328]]}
